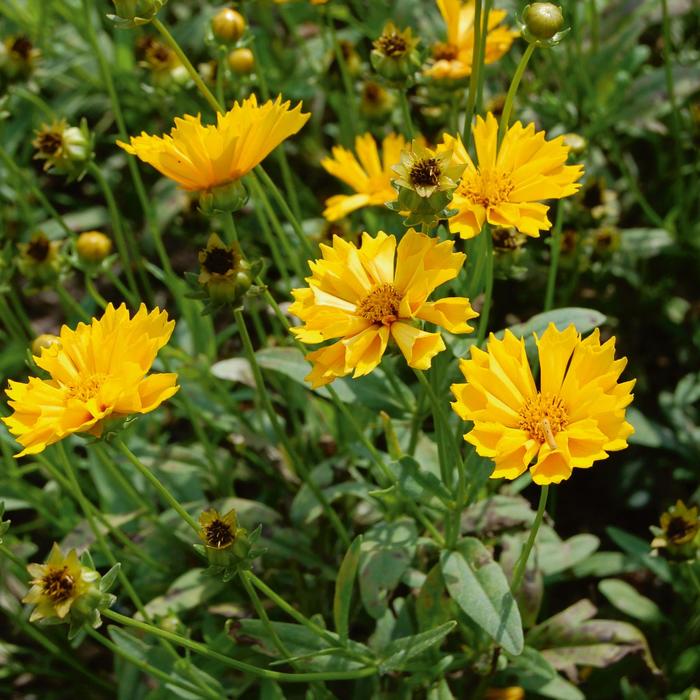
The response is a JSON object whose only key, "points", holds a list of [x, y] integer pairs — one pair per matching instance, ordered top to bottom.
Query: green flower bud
{"points": [[133, 13], [541, 24], [229, 197], [40, 261], [225, 275]]}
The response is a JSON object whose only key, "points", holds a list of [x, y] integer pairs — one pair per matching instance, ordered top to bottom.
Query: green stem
{"points": [[595, 25], [482, 53], [477, 65], [196, 78], [508, 105], [406, 114], [348, 120], [35, 191], [120, 238], [555, 249], [488, 290], [92, 291], [68, 301], [299, 464], [155, 482], [9, 554], [520, 566], [233, 663], [166, 678]]}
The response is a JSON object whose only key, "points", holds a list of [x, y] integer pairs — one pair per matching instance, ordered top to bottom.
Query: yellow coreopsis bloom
{"points": [[453, 60], [201, 157], [365, 172], [507, 184], [368, 294], [98, 372], [574, 418], [57, 584]]}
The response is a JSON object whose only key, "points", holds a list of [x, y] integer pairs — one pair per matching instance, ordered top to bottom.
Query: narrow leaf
{"points": [[343, 587]]}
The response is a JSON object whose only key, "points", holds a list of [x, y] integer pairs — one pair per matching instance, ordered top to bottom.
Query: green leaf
{"points": [[584, 319], [291, 363], [647, 432], [418, 482], [497, 513], [387, 551], [640, 551], [554, 557], [478, 585], [343, 587], [188, 591], [628, 600], [433, 605], [405, 648], [535, 674], [441, 691]]}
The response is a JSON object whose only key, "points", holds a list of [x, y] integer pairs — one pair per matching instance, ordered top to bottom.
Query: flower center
{"points": [[391, 45], [22, 47], [445, 52], [425, 173], [487, 187], [38, 249], [219, 261], [381, 305], [86, 388], [542, 417], [680, 530], [218, 534], [58, 584]]}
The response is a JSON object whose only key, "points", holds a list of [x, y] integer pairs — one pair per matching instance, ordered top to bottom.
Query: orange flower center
{"points": [[445, 52], [487, 188], [381, 305], [87, 388], [542, 416], [58, 584]]}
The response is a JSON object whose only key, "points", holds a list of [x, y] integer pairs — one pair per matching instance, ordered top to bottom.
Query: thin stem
{"points": [[482, 53], [474, 77], [196, 78], [508, 105], [406, 113], [119, 236], [555, 249], [488, 290], [92, 291], [68, 301], [299, 464], [155, 482], [519, 571], [233, 663], [166, 678]]}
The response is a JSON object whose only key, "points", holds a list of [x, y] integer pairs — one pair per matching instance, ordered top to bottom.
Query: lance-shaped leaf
{"points": [[479, 586], [343, 587], [573, 638], [405, 648]]}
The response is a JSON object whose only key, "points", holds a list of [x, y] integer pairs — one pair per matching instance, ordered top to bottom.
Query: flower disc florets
{"points": [[395, 56], [65, 149], [679, 533]]}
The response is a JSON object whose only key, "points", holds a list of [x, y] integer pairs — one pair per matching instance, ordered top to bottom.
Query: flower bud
{"points": [[133, 13], [543, 19], [228, 25], [17, 56], [395, 56], [241, 61], [375, 101], [576, 143], [66, 149], [229, 197], [93, 246], [39, 261], [45, 340], [679, 533], [225, 544]]}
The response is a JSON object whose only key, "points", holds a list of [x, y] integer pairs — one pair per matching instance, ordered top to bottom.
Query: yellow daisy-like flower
{"points": [[453, 60], [200, 157], [365, 172], [508, 184], [368, 294], [98, 372], [575, 417], [218, 531], [57, 584]]}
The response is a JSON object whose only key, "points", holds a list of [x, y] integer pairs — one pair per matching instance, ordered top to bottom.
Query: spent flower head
{"points": [[395, 54], [18, 56], [65, 149], [40, 261], [679, 533], [227, 547], [64, 589]]}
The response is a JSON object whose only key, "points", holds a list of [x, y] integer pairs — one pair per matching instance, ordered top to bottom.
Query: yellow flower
{"points": [[453, 60], [200, 157], [370, 177], [509, 182], [366, 295], [98, 372], [575, 417], [679, 526], [218, 531], [56, 585]]}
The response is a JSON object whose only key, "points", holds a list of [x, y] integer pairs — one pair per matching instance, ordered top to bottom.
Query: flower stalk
{"points": [[521, 564]]}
